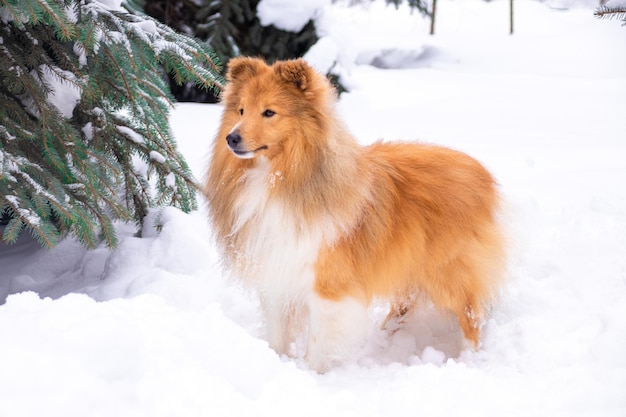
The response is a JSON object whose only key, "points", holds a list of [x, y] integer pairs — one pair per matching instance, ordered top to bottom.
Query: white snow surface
{"points": [[155, 328]]}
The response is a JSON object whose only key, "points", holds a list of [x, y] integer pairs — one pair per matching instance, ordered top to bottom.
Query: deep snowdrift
{"points": [[155, 328]]}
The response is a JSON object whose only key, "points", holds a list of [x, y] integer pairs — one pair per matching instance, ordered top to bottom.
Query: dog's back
{"points": [[430, 227]]}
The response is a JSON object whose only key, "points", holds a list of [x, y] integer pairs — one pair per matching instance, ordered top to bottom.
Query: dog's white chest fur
{"points": [[279, 251], [277, 257]]}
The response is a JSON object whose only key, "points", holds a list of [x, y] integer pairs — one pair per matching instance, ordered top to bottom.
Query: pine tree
{"points": [[84, 130]]}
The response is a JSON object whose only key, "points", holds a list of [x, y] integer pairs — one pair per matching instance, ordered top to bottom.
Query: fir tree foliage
{"points": [[612, 12], [232, 28], [84, 130]]}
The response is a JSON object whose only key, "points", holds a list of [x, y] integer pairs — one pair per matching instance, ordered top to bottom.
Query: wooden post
{"points": [[432, 18]]}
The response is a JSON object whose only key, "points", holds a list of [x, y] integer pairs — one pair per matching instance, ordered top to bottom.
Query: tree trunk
{"points": [[511, 15], [432, 18]]}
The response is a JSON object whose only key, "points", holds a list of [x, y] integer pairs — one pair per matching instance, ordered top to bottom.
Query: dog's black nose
{"points": [[233, 139]]}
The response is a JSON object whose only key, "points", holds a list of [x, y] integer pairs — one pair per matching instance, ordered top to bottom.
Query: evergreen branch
{"points": [[611, 12], [54, 15], [15, 17], [129, 92], [75, 173], [39, 186], [137, 193], [24, 215], [83, 223], [12, 230]]}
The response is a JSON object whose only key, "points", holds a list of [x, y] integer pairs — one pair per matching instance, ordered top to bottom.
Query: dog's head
{"points": [[269, 110]]}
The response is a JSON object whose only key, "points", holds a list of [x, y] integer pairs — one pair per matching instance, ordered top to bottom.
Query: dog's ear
{"points": [[243, 68], [296, 72]]}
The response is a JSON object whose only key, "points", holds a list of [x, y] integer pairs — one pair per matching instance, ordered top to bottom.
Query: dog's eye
{"points": [[241, 112], [268, 113]]}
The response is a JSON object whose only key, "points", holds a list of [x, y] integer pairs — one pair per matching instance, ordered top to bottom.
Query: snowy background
{"points": [[155, 329]]}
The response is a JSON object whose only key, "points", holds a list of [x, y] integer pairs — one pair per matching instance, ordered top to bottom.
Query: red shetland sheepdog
{"points": [[321, 226]]}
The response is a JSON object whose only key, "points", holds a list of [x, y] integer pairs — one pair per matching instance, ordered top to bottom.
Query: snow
{"points": [[112, 4], [289, 15], [148, 26], [366, 33], [79, 50], [323, 55], [65, 92], [88, 131], [131, 134], [157, 157], [170, 180], [155, 327]]}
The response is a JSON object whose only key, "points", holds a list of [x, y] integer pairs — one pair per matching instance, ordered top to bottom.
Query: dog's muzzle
{"points": [[235, 144]]}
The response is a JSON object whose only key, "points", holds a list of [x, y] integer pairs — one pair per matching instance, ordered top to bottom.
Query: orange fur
{"points": [[383, 221]]}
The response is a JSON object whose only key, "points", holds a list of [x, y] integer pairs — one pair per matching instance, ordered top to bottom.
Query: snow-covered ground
{"points": [[155, 328]]}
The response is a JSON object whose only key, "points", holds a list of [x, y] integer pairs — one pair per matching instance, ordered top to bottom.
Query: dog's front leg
{"points": [[277, 326], [336, 329]]}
